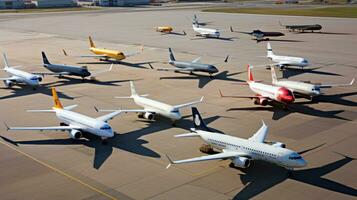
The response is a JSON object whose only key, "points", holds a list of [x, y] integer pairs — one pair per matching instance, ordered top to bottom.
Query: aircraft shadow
{"points": [[175, 33], [324, 33], [215, 38], [278, 40], [290, 72], [204, 80], [24, 90], [336, 99], [279, 113], [102, 151], [262, 176]]}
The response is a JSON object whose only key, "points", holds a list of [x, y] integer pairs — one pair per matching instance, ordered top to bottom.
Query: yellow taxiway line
{"points": [[59, 171]]}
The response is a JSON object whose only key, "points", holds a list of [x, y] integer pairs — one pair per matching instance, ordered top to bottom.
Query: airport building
{"points": [[56, 3], [110, 3], [12, 4]]}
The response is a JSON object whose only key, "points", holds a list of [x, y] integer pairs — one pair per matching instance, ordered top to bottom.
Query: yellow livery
{"points": [[164, 29], [117, 55]]}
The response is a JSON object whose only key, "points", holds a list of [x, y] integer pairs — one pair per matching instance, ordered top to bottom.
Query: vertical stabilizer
{"points": [[91, 43], [270, 53], [172, 57], [44, 58], [6, 63], [250, 75], [274, 79], [132, 89], [57, 102], [198, 121]]}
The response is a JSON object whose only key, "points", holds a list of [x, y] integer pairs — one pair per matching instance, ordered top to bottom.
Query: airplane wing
{"points": [[135, 53], [85, 56], [197, 60], [188, 69], [96, 73], [12, 78], [337, 85], [241, 96], [188, 104], [114, 113], [46, 128], [260, 135], [223, 155]]}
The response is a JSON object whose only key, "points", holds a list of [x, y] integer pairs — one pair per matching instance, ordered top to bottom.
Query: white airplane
{"points": [[205, 32], [284, 61], [19, 76], [303, 88], [266, 93], [153, 107], [74, 122], [241, 151]]}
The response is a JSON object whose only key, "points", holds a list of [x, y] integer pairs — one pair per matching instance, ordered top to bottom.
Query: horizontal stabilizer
{"points": [[44, 111], [194, 134]]}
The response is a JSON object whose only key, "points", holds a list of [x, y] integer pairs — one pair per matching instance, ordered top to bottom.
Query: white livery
{"points": [[205, 32], [284, 61], [19, 76], [303, 88], [153, 107], [74, 122], [242, 151]]}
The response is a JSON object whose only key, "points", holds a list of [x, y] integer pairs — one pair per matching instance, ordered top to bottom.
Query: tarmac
{"points": [[50, 165]]}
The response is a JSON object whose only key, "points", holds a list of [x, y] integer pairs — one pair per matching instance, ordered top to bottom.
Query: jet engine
{"points": [[39, 78], [8, 83], [261, 101], [147, 115], [75, 134], [279, 144], [241, 162]]}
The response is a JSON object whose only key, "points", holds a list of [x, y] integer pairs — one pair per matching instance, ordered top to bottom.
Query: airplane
{"points": [[302, 27], [167, 30], [205, 32], [261, 35], [105, 54], [284, 61], [190, 66], [62, 69], [19, 76], [304, 89], [266, 93], [153, 107], [74, 122], [241, 151]]}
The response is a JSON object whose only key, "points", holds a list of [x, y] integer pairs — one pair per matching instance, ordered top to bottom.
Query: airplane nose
{"points": [[288, 99], [302, 163]]}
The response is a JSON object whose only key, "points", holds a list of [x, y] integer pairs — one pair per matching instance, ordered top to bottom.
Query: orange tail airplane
{"points": [[106, 54]]}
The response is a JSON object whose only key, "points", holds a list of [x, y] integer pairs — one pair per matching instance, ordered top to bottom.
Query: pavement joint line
{"points": [[59, 171]]}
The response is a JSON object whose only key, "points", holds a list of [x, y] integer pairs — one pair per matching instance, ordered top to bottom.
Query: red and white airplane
{"points": [[266, 93]]}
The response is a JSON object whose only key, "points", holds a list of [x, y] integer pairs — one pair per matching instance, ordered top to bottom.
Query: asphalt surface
{"points": [[49, 165]]}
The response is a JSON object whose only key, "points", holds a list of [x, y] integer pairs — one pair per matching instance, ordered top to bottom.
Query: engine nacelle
{"points": [[39, 79], [8, 83], [261, 101], [149, 116], [75, 134], [279, 144], [241, 162]]}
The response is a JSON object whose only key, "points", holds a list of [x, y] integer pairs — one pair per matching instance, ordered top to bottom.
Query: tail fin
{"points": [[91, 42], [269, 51], [172, 57], [44, 58], [6, 63], [250, 75], [273, 75], [132, 88], [57, 102], [198, 121]]}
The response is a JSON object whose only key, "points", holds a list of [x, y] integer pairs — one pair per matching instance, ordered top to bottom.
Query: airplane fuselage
{"points": [[311, 27], [206, 32], [117, 55], [289, 60], [195, 66], [72, 70], [24, 77], [300, 87], [275, 93], [156, 107], [86, 123], [255, 150]]}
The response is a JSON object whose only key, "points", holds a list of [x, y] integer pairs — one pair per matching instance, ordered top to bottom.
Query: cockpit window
{"points": [[34, 79], [105, 127], [294, 157]]}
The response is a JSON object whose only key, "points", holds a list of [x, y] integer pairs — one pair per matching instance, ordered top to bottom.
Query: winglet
{"points": [[231, 28], [184, 33], [64, 52], [226, 59], [6, 63], [353, 80], [220, 92], [57, 102], [96, 109], [6, 126], [171, 162]]}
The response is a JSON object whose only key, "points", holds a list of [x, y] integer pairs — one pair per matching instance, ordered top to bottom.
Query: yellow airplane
{"points": [[164, 29], [105, 54]]}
